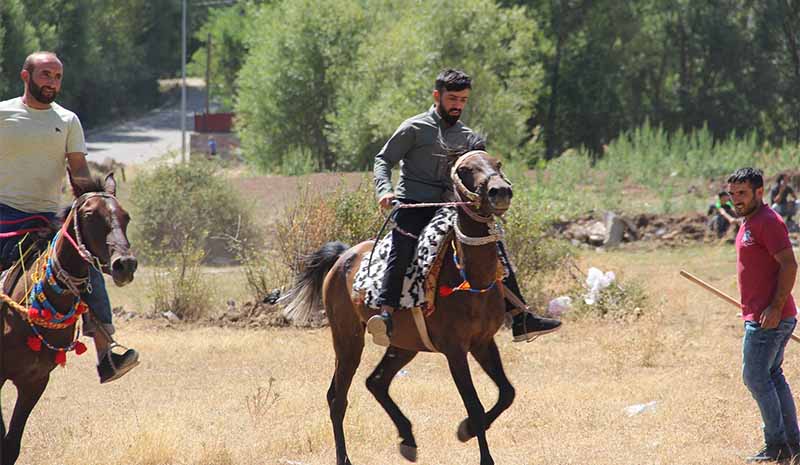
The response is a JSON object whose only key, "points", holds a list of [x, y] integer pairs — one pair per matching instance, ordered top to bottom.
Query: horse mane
{"points": [[474, 141]]}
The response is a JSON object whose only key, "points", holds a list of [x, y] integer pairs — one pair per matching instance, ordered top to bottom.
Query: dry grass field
{"points": [[210, 396]]}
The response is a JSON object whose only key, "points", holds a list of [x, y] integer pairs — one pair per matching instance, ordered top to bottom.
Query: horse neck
{"points": [[479, 262]]}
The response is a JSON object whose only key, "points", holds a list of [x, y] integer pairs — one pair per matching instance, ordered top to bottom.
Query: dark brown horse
{"points": [[93, 234], [462, 322]]}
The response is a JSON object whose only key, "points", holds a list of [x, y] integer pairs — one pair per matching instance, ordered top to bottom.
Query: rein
{"points": [[20, 232]]}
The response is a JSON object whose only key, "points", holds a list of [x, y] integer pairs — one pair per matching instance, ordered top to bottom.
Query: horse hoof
{"points": [[464, 434], [408, 452]]}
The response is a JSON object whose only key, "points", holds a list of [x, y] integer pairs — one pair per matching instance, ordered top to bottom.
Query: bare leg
{"points": [[489, 359], [459, 368], [378, 384]]}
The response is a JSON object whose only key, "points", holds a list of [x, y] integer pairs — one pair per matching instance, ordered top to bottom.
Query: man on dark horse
{"points": [[38, 139], [425, 177]]}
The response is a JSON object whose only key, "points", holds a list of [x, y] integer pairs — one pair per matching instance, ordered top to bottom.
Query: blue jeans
{"points": [[98, 300], [762, 357]]}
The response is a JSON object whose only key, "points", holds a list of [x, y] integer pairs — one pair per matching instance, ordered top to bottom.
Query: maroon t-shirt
{"points": [[761, 237]]}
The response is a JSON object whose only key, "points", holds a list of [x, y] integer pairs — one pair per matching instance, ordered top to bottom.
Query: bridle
{"points": [[476, 200], [74, 283]]}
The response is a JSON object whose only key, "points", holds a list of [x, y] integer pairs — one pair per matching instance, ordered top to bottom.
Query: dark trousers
{"points": [[413, 221]]}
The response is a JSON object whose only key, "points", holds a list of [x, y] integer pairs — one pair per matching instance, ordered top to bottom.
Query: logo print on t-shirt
{"points": [[58, 129], [747, 238]]}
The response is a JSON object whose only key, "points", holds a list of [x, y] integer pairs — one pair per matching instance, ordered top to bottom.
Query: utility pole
{"points": [[208, 81], [183, 82]]}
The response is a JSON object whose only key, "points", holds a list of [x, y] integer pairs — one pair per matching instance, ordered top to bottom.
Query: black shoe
{"points": [[527, 326], [380, 327], [114, 366], [775, 453]]}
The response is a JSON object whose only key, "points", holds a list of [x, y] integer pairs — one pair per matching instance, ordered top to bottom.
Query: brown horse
{"points": [[93, 234], [462, 322]]}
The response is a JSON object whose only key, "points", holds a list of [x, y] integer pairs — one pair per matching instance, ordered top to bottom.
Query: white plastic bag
{"points": [[596, 281], [560, 305]]}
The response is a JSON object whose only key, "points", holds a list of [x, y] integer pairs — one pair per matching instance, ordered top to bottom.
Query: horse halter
{"points": [[461, 191], [78, 243]]}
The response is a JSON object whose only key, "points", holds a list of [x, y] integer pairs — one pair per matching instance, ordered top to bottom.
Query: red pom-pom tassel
{"points": [[445, 291], [81, 308], [33, 313], [45, 314], [34, 343], [80, 347], [61, 358]]}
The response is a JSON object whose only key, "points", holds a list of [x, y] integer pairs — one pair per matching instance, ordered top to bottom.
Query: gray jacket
{"points": [[424, 169]]}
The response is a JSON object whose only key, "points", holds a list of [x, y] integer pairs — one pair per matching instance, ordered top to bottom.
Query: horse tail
{"points": [[305, 297]]}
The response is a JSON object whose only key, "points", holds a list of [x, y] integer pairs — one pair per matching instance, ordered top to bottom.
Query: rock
{"points": [[615, 229], [170, 316]]}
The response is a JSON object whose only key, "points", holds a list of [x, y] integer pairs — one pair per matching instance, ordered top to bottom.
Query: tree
{"points": [[289, 81]]}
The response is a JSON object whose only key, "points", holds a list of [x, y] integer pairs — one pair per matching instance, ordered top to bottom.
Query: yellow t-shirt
{"points": [[33, 145]]}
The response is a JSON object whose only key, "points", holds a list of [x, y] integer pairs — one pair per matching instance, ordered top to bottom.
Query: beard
{"points": [[38, 92], [448, 117], [746, 209]]}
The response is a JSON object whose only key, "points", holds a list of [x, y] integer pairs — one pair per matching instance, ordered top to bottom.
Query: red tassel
{"points": [[445, 291], [81, 308], [33, 313], [45, 314], [34, 343], [80, 347], [61, 358]]}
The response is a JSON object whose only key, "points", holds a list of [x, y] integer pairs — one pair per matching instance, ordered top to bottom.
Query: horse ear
{"points": [[110, 184], [76, 189]]}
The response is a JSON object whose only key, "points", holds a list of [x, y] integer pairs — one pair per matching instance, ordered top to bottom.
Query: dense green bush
{"points": [[179, 204]]}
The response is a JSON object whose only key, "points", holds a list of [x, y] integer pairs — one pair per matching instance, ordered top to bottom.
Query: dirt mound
{"points": [[594, 230], [251, 315]]}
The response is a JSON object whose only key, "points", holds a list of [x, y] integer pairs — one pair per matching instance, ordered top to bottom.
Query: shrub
{"points": [[177, 205], [347, 216], [181, 287], [618, 301]]}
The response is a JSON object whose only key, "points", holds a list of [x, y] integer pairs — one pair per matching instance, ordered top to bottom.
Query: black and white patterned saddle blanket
{"points": [[419, 283]]}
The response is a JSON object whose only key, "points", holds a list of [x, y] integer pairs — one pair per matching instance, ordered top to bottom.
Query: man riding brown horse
{"points": [[38, 140], [424, 177]]}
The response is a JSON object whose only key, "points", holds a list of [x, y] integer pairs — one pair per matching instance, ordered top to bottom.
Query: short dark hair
{"points": [[31, 59], [453, 80], [754, 176], [722, 194]]}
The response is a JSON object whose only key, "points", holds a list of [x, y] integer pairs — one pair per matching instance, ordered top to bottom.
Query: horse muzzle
{"points": [[500, 199], [122, 269]]}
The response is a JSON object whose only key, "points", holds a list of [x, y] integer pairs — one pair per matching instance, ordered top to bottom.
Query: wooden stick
{"points": [[718, 293]]}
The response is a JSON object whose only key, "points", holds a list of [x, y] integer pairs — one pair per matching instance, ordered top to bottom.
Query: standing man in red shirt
{"points": [[766, 268]]}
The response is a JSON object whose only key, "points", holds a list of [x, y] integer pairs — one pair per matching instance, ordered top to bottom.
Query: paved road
{"points": [[150, 136]]}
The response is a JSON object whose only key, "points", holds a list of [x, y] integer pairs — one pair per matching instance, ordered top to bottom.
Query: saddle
{"points": [[420, 282]]}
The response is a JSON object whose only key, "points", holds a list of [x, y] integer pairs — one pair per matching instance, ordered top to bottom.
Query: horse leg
{"points": [[348, 356], [489, 359], [459, 368], [378, 384], [28, 394], [2, 425]]}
